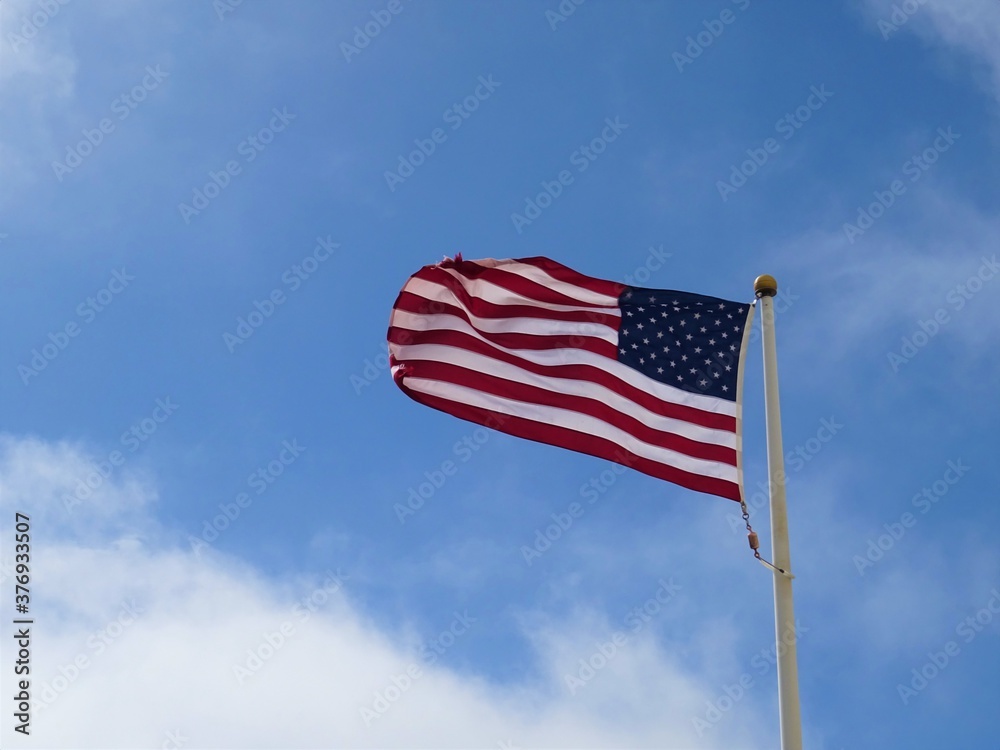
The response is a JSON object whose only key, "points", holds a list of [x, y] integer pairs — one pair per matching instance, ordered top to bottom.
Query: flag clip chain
{"points": [[754, 541]]}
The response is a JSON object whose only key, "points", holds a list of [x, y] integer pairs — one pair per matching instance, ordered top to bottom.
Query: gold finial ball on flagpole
{"points": [[765, 286]]}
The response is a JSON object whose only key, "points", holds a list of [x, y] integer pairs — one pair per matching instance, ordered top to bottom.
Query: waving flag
{"points": [[648, 378]]}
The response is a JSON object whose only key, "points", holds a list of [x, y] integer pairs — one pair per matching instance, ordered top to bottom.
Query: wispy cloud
{"points": [[971, 27]]}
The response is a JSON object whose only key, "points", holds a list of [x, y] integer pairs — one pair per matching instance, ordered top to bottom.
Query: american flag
{"points": [[648, 378]]}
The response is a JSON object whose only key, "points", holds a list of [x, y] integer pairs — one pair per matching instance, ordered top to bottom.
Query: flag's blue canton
{"points": [[685, 340]]}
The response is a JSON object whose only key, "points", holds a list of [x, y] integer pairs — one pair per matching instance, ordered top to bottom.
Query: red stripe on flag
{"points": [[561, 273], [520, 285], [412, 303], [484, 309], [451, 373], [578, 441]]}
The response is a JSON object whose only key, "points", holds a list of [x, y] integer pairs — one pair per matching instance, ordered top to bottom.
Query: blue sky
{"points": [[243, 576]]}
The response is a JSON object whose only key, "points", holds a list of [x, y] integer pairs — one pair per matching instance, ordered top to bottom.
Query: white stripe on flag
{"points": [[572, 420]]}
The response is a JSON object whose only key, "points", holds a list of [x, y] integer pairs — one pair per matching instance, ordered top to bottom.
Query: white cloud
{"points": [[969, 26], [33, 49], [37, 76], [68, 488], [136, 639]]}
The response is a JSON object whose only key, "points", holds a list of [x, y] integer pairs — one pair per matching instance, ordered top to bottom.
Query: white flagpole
{"points": [[765, 287]]}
